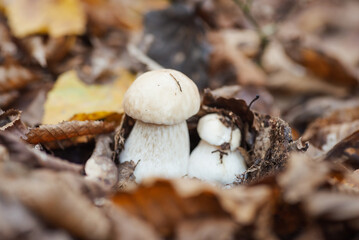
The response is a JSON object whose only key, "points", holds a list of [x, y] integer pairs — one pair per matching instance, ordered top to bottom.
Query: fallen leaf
{"points": [[104, 13], [57, 18], [225, 55], [14, 76], [70, 96], [7, 97], [67, 130], [325, 132], [32, 157], [54, 200]]}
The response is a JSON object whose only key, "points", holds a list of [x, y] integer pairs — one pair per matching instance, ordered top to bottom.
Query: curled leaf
{"points": [[67, 130]]}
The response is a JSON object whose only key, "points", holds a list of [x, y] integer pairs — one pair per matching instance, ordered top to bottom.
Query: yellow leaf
{"points": [[55, 17], [70, 96]]}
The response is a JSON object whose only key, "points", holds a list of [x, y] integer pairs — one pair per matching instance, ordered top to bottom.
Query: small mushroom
{"points": [[160, 101], [216, 158]]}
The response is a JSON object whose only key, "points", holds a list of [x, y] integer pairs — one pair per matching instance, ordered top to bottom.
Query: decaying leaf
{"points": [[104, 14], [57, 18], [226, 55], [335, 59], [14, 76], [71, 96], [7, 97], [9, 118], [67, 130], [325, 132], [346, 151], [21, 152], [51, 197], [17, 220]]}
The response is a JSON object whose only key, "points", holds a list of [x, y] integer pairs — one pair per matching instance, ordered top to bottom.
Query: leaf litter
{"points": [[60, 140]]}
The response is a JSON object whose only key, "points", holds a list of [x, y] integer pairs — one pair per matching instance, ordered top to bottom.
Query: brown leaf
{"points": [[316, 39], [226, 54], [14, 76], [7, 97], [264, 105], [236, 106], [300, 115], [9, 118], [67, 130], [325, 132], [346, 151], [23, 153], [302, 177], [54, 200], [160, 205], [333, 206], [16, 220], [128, 226], [206, 229]]}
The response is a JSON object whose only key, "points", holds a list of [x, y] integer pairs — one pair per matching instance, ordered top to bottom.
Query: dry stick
{"points": [[143, 58]]}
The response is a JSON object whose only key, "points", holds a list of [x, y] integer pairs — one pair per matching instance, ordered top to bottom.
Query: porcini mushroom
{"points": [[160, 101], [216, 158]]}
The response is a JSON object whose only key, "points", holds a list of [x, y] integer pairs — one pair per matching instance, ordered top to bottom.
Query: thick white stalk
{"points": [[159, 150]]}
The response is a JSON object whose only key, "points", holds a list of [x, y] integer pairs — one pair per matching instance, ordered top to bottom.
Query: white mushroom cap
{"points": [[162, 97], [212, 130]]}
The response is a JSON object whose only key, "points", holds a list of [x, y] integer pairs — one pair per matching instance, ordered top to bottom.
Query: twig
{"points": [[142, 58]]}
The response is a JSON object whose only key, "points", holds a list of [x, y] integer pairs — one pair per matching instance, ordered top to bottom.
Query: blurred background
{"points": [[64, 57]]}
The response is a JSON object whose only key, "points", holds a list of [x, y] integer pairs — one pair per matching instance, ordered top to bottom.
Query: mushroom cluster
{"points": [[160, 101], [216, 159]]}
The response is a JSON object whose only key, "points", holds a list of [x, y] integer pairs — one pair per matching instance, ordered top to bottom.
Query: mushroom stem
{"points": [[159, 150]]}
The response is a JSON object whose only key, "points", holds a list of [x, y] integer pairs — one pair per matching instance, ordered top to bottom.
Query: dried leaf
{"points": [[110, 13], [57, 18], [314, 38], [226, 54], [14, 76], [7, 97], [64, 99], [9, 118], [67, 130], [325, 132], [346, 151], [32, 157], [302, 177], [54, 200], [161, 206], [16, 220], [127, 226]]}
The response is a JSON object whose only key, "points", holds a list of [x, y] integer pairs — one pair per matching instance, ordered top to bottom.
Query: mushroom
{"points": [[160, 101], [216, 158]]}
